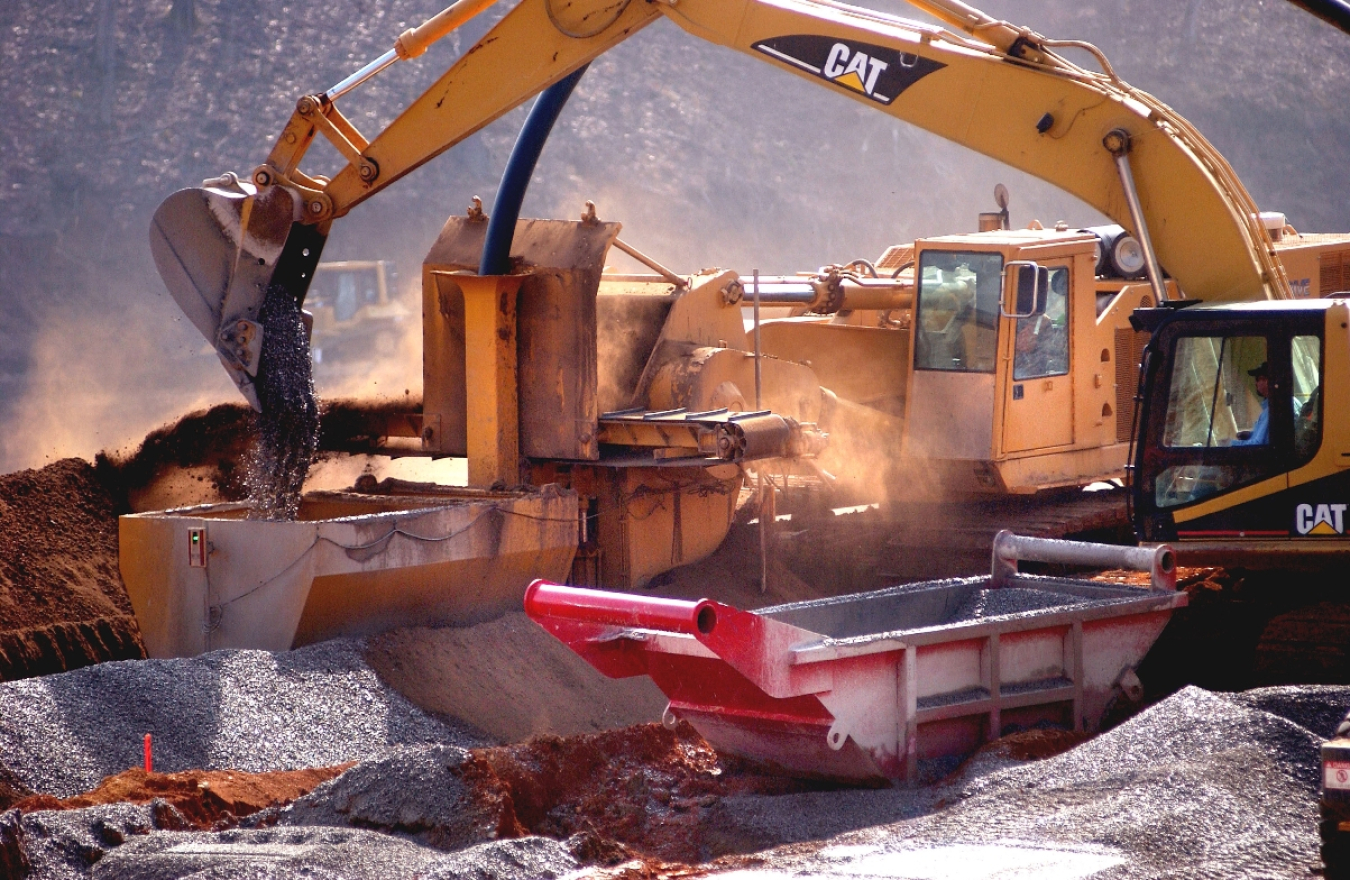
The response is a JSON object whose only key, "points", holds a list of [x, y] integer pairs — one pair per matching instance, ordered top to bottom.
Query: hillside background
{"points": [[708, 158]]}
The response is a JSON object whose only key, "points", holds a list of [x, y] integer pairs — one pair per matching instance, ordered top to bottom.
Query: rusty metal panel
{"points": [[1333, 272], [630, 318], [556, 333], [559, 397], [444, 401]]}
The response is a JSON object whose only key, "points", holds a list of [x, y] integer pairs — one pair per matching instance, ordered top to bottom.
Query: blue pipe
{"points": [[496, 259]]}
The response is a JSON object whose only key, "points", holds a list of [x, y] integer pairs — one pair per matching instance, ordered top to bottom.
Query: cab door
{"points": [[1036, 381], [952, 389]]}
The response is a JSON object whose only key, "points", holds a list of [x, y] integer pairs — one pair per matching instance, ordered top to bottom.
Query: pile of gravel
{"points": [[982, 604], [243, 710], [1200, 785], [417, 792], [326, 854]]}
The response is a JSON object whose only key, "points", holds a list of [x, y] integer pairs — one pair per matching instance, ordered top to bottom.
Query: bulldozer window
{"points": [[958, 311], [1043, 340]]}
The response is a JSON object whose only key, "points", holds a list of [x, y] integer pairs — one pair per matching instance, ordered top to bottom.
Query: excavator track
{"points": [[934, 539], [910, 541]]}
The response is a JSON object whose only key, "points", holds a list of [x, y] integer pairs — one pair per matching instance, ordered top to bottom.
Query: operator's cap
{"points": [[1260, 371]]}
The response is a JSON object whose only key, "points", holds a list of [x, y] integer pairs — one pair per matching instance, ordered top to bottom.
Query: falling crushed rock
{"points": [[288, 424]]}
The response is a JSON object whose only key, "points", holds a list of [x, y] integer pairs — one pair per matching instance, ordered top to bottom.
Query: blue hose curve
{"points": [[496, 258]]}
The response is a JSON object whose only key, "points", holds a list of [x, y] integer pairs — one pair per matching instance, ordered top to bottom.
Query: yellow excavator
{"points": [[993, 362]]}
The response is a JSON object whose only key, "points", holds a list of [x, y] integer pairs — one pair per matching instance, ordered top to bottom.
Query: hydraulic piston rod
{"points": [[413, 42], [1117, 141], [1160, 562]]}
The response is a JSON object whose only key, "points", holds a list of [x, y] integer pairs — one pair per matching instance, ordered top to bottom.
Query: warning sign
{"points": [[1336, 774]]}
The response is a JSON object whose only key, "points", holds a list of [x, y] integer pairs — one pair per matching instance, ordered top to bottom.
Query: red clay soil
{"points": [[1188, 579], [1033, 745], [645, 788], [207, 800], [639, 800]]}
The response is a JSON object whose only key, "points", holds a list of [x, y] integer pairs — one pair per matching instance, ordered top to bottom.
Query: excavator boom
{"points": [[1000, 90]]}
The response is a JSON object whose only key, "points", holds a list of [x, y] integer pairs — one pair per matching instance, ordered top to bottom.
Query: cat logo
{"points": [[853, 70], [875, 72], [1324, 519]]}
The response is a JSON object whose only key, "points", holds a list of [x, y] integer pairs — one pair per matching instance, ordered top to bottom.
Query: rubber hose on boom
{"points": [[496, 259]]}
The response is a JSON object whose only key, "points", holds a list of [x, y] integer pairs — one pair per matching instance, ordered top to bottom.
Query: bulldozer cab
{"points": [[1001, 319], [1231, 434]]}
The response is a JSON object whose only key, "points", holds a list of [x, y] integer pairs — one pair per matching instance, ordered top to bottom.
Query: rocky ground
{"points": [[493, 752], [307, 764]]}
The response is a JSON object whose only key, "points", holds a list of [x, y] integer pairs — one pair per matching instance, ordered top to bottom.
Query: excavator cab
{"points": [[1016, 353], [1232, 444]]}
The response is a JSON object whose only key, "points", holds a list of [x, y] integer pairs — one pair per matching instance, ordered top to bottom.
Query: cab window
{"points": [[958, 310], [1043, 340], [1307, 390], [1215, 399], [1232, 401]]}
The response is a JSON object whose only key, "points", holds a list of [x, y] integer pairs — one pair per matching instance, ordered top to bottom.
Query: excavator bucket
{"points": [[220, 248]]}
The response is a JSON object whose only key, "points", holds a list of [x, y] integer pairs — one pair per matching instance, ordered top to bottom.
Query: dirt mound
{"points": [[204, 456], [199, 458], [62, 603], [509, 678], [1033, 745], [643, 790], [207, 800]]}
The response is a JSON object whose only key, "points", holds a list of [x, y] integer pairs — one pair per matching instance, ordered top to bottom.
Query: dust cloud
{"points": [[707, 157], [391, 369], [86, 390]]}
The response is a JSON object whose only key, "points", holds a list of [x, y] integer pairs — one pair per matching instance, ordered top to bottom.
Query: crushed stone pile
{"points": [[243, 710], [1200, 785]]}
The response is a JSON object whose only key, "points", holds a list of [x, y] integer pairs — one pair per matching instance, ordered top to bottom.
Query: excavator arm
{"points": [[990, 86]]}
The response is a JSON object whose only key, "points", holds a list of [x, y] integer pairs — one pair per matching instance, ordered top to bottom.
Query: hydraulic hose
{"points": [[496, 259]]}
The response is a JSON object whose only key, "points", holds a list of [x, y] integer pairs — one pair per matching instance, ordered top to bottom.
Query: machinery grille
{"points": [[895, 257], [1335, 273], [1129, 352]]}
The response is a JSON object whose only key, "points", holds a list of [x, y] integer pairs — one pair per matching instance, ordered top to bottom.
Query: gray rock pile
{"points": [[243, 710], [1200, 785]]}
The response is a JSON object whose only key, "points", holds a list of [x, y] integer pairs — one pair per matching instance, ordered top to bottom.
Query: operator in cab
{"points": [[1259, 435]]}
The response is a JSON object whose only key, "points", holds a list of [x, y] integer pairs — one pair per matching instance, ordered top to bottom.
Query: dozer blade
{"points": [[219, 248]]}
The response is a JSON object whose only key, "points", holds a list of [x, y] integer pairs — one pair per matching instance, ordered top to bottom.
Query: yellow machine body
{"points": [[646, 396]]}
